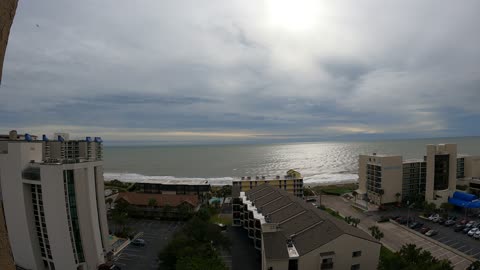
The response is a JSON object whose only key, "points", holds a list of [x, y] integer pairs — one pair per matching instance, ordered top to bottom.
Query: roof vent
{"points": [[28, 138], [44, 138], [60, 138], [88, 139], [98, 139], [374, 154], [263, 176], [278, 176], [243, 177], [256, 177], [249, 178], [289, 242]]}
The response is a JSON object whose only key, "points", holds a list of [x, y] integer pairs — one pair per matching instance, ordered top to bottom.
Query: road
{"points": [[395, 236]]}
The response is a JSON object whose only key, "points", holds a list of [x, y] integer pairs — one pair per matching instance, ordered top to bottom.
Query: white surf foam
{"points": [[139, 178], [319, 179]]}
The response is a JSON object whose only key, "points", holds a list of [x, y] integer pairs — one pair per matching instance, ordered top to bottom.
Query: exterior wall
{"points": [[362, 174], [386, 176], [414, 181], [440, 196], [15, 202], [19, 210], [102, 211], [56, 217]]}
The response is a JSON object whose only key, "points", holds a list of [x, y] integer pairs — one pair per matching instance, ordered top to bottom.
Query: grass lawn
{"points": [[335, 189], [224, 219]]}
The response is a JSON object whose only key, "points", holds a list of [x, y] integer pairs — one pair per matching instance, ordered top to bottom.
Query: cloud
{"points": [[401, 69]]}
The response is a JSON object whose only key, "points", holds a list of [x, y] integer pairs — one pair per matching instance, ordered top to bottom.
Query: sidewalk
{"points": [[394, 235]]}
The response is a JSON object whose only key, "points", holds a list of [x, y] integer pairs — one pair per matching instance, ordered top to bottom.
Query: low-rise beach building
{"points": [[292, 182], [293, 234]]}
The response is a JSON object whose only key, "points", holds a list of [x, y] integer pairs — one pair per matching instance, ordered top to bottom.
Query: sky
{"points": [[240, 71]]}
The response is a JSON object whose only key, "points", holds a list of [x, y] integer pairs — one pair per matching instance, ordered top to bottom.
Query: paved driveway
{"points": [[156, 234], [397, 235]]}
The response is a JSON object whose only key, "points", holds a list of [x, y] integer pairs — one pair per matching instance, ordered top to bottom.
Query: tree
{"points": [[7, 13], [380, 193], [355, 194], [398, 195], [152, 202], [446, 207], [167, 209], [184, 210], [376, 233], [409, 257], [200, 263], [474, 266]]}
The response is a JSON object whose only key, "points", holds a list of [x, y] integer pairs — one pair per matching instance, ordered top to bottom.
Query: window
{"points": [[356, 254], [327, 263], [293, 264], [355, 267]]}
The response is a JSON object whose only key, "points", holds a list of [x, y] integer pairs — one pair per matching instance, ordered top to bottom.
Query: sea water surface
{"points": [[319, 162]]}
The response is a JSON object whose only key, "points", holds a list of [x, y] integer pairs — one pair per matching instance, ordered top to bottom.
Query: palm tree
{"points": [[380, 193], [355, 194], [398, 195], [152, 202], [376, 233]]}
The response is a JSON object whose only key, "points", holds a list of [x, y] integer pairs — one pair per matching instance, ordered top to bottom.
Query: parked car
{"points": [[433, 216], [441, 220], [463, 221], [449, 222], [470, 224], [416, 225], [459, 228], [424, 230], [466, 230], [472, 231], [431, 233], [477, 235], [138, 242]]}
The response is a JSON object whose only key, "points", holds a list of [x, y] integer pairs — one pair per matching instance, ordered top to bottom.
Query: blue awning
{"points": [[464, 200]]}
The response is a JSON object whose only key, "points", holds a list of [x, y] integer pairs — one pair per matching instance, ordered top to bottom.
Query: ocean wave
{"points": [[336, 178], [319, 179]]}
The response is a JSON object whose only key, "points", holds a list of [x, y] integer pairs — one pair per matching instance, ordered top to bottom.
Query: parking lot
{"points": [[156, 234], [395, 235], [446, 235]]}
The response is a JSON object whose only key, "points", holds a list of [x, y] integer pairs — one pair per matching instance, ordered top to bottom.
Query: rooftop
{"points": [[142, 199], [302, 226]]}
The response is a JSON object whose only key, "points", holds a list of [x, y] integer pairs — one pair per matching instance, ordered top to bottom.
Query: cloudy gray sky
{"points": [[194, 71]]}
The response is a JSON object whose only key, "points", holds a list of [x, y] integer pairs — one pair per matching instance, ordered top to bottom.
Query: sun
{"points": [[292, 15]]}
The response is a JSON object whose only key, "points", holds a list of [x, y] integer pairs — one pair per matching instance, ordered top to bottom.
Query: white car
{"points": [[433, 216], [469, 224], [472, 231], [477, 235]]}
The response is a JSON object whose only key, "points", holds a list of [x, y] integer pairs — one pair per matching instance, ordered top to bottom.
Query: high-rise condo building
{"points": [[389, 178], [53, 202]]}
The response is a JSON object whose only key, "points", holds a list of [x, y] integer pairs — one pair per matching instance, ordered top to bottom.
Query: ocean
{"points": [[319, 162]]}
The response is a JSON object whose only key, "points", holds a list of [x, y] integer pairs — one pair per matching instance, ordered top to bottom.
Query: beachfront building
{"points": [[389, 178], [292, 182], [196, 187], [53, 201], [170, 206], [293, 234]]}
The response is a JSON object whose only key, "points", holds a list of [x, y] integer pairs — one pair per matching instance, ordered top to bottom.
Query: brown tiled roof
{"points": [[141, 199], [307, 226]]}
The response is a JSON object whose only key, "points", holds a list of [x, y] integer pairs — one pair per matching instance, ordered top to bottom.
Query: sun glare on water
{"points": [[292, 15]]}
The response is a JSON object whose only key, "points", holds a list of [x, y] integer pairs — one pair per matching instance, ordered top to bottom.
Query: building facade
{"points": [[388, 179], [292, 183], [53, 199], [292, 234]]}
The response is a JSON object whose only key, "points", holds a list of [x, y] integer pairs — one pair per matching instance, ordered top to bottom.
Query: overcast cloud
{"points": [[243, 70]]}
